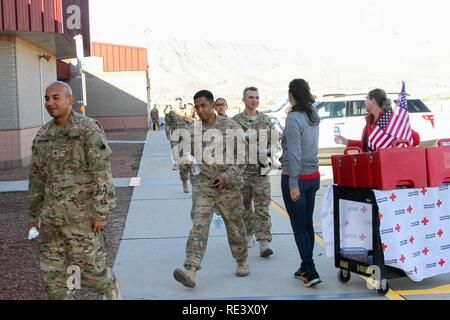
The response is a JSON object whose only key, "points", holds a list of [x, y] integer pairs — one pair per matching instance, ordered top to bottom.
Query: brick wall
{"points": [[8, 85], [29, 86], [20, 99], [123, 122], [15, 147]]}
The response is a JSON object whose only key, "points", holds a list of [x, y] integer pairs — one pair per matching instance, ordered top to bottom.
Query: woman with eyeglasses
{"points": [[377, 103]]}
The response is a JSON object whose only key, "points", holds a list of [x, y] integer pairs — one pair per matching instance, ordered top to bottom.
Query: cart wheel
{"points": [[344, 276], [384, 287]]}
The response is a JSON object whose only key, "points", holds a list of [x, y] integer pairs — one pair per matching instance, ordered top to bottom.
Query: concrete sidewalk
{"points": [[22, 186], [156, 231], [155, 235]]}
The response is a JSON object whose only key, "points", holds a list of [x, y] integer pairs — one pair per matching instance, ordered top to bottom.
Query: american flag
{"points": [[393, 127], [379, 138]]}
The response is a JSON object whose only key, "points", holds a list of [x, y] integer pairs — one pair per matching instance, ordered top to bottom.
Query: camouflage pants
{"points": [[155, 123], [167, 129], [184, 171], [204, 202], [257, 221], [75, 245]]}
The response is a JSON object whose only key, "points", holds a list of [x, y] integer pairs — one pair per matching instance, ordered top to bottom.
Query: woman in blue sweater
{"points": [[301, 178]]}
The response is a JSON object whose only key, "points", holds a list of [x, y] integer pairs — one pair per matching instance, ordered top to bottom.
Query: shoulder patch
{"points": [[99, 145]]}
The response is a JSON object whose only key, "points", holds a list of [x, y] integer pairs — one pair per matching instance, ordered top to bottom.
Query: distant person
{"points": [[377, 103], [221, 107], [167, 110], [189, 111], [155, 117], [180, 118], [300, 177], [217, 186], [257, 188], [71, 193]]}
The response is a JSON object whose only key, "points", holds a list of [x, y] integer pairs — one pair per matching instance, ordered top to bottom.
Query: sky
{"points": [[319, 23], [363, 35]]}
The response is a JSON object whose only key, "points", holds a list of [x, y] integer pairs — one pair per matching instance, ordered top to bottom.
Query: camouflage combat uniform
{"points": [[155, 118], [179, 120], [70, 186], [256, 188], [205, 199]]}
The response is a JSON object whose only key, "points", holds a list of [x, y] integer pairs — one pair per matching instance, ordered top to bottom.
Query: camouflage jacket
{"points": [[154, 114], [178, 119], [262, 122], [210, 170], [70, 179]]}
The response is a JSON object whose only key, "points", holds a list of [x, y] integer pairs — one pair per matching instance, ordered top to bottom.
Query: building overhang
{"points": [[57, 44]]}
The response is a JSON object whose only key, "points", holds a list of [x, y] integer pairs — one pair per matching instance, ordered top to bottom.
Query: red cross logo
{"points": [[424, 191], [393, 197], [439, 203], [410, 209], [364, 210], [380, 216], [425, 221], [398, 227], [440, 233], [362, 237], [411, 239], [384, 246], [425, 251], [402, 259], [442, 262], [415, 269]]}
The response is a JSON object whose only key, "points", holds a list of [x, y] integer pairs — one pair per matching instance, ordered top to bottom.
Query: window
{"points": [[358, 108], [332, 110]]}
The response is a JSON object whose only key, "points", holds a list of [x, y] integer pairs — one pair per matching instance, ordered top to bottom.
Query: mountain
{"points": [[181, 67]]}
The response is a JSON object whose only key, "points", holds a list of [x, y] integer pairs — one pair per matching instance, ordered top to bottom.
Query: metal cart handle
{"points": [[444, 142], [352, 149]]}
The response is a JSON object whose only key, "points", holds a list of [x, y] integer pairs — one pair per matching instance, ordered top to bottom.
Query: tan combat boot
{"points": [[185, 187], [264, 249], [242, 269], [186, 277], [115, 293]]}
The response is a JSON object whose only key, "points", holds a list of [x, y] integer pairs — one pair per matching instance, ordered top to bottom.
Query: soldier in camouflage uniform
{"points": [[221, 107], [167, 110], [155, 118], [180, 119], [217, 186], [256, 187], [71, 194]]}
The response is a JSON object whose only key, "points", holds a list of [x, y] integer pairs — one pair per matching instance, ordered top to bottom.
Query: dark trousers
{"points": [[301, 216]]}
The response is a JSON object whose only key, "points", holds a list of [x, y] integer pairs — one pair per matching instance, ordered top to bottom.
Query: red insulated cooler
{"points": [[438, 163], [399, 167], [343, 168], [362, 173]]}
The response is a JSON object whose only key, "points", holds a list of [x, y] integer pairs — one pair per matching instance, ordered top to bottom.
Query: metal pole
{"points": [[80, 61], [42, 90]]}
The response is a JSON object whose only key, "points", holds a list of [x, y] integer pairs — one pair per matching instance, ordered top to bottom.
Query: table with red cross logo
{"points": [[415, 230]]}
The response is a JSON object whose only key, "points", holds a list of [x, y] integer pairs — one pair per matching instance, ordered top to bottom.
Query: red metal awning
{"points": [[48, 24]]}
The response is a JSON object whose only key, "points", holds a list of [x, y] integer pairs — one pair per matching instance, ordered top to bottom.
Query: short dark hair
{"points": [[250, 89], [205, 94], [176, 99], [222, 100]]}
